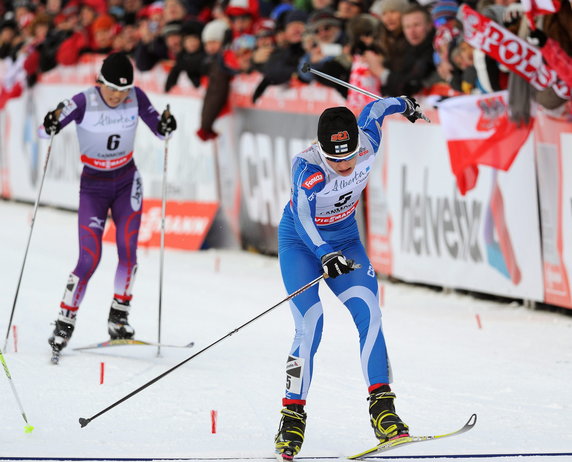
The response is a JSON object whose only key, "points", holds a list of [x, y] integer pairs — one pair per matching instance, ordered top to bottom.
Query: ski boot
{"points": [[117, 323], [60, 338], [385, 422], [290, 434]]}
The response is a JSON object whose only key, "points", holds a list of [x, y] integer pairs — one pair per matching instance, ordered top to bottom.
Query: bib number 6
{"points": [[113, 142]]}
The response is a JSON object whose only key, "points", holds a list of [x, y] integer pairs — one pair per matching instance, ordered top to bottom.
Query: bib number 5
{"points": [[343, 199]]}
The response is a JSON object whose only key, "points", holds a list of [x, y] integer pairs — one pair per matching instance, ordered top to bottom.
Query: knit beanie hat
{"points": [[383, 6], [444, 10], [295, 15], [103, 22], [192, 27], [172, 28], [214, 31], [117, 72], [338, 131]]}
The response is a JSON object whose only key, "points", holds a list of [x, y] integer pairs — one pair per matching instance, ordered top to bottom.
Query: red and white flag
{"points": [[533, 8], [479, 132]]}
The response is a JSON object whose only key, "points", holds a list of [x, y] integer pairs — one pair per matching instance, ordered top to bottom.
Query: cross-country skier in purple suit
{"points": [[106, 117], [318, 234]]}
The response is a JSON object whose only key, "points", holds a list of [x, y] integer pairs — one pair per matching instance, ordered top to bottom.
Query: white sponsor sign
{"points": [[566, 205], [487, 240]]}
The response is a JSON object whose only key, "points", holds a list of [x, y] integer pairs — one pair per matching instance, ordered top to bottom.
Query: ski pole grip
{"points": [[59, 110], [83, 422]]}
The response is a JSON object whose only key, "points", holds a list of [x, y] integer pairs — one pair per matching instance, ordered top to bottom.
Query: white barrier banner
{"points": [[554, 164], [191, 167], [566, 204], [487, 241]]}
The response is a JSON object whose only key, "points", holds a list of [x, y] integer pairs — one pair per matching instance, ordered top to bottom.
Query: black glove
{"points": [[537, 38], [412, 111], [51, 123], [167, 124], [335, 264]]}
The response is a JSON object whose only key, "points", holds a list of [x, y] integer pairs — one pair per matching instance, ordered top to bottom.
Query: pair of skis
{"points": [[55, 359], [400, 442]]}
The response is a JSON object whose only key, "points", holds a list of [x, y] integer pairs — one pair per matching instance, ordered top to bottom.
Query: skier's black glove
{"points": [[537, 38], [412, 111], [51, 123], [167, 123], [335, 264]]}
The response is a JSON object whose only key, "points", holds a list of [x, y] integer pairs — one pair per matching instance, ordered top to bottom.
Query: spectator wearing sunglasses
{"points": [[318, 235]]}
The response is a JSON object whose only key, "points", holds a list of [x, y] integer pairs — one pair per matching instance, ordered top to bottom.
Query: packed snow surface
{"points": [[513, 369]]}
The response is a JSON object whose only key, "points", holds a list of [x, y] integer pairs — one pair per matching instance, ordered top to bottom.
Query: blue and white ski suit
{"points": [[319, 219]]}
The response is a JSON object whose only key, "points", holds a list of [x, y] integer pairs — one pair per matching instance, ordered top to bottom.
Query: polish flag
{"points": [[533, 8], [479, 132]]}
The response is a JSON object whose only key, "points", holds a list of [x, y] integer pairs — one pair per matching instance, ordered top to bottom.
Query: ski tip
{"points": [[472, 420], [83, 422], [28, 429]]}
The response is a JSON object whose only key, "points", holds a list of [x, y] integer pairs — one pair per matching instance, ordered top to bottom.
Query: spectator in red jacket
{"points": [[243, 15], [82, 40]]}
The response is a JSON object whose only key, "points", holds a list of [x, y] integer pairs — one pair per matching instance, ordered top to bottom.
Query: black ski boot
{"points": [[117, 323], [60, 338], [385, 422], [290, 434]]}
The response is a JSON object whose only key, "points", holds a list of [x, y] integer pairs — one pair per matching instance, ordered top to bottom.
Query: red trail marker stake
{"points": [[15, 335], [101, 372], [214, 415]]}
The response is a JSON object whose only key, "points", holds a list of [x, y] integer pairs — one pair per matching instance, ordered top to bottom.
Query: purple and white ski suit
{"points": [[109, 181]]}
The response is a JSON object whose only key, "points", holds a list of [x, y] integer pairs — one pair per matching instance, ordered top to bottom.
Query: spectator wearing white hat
{"points": [[391, 39]]}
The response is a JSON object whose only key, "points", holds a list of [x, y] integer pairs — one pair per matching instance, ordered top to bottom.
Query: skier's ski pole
{"points": [[306, 68], [52, 134], [162, 247], [83, 422], [28, 428]]}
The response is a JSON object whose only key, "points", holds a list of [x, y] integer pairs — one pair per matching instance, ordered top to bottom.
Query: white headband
{"points": [[113, 85]]}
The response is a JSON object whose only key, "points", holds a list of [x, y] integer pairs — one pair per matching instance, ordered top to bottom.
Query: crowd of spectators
{"points": [[389, 47]]}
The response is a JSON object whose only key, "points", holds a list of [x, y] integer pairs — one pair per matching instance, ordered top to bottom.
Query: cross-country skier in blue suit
{"points": [[318, 234]]}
